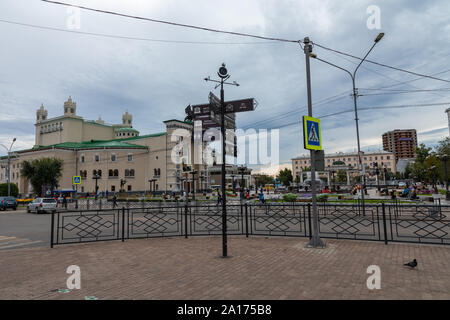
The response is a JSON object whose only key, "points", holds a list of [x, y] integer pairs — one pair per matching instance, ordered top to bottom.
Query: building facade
{"points": [[402, 143], [116, 153], [383, 159]]}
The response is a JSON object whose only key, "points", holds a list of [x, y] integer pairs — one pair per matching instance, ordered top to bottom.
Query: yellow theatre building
{"points": [[114, 152]]}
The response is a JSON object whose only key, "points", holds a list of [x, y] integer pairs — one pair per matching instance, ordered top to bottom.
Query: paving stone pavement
{"points": [[259, 268]]}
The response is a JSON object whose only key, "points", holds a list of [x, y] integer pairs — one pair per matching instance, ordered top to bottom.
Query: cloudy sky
{"points": [[155, 80]]}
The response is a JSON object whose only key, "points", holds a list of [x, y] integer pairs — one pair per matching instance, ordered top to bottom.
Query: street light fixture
{"points": [[355, 95], [8, 174]]}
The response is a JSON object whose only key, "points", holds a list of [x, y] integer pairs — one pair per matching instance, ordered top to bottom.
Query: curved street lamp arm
{"points": [[332, 64], [354, 73]]}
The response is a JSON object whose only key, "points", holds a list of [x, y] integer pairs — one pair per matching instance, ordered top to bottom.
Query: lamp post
{"points": [[223, 74], [355, 95], [444, 159], [242, 170], [193, 172], [8, 174], [96, 177], [122, 184], [152, 185], [315, 241]]}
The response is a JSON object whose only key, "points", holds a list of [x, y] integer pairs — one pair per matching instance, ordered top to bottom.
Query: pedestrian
{"points": [[219, 198], [261, 198], [114, 201], [65, 202]]}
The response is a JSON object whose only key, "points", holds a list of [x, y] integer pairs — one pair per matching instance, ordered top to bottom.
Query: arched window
{"points": [[94, 172], [127, 172], [155, 172], [159, 172], [99, 173], [110, 173], [116, 173], [132, 173]]}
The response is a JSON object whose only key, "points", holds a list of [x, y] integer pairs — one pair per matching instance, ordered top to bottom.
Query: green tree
{"points": [[443, 148], [42, 172], [341, 176], [285, 177], [263, 179], [4, 189]]}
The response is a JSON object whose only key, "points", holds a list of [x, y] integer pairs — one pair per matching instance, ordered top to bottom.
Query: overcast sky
{"points": [[155, 81]]}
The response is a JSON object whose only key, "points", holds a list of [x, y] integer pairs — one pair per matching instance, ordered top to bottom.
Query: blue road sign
{"points": [[311, 132], [76, 180]]}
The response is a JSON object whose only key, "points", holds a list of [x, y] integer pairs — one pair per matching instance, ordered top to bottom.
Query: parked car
{"points": [[402, 184], [8, 202], [42, 205]]}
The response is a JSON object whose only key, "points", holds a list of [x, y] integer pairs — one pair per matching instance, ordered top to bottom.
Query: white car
{"points": [[402, 184], [42, 205]]}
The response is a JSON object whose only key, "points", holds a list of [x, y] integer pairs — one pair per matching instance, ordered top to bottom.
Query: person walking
{"points": [[219, 198], [261, 198], [114, 201]]}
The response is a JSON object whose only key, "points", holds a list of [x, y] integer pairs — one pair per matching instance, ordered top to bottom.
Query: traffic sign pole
{"points": [[315, 241]]}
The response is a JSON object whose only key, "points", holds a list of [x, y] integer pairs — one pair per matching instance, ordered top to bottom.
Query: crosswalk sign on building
{"points": [[312, 137]]}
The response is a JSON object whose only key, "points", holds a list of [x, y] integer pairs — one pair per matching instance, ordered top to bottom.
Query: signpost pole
{"points": [[315, 241]]}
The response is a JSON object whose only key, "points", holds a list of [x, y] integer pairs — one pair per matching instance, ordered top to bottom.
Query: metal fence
{"points": [[380, 222]]}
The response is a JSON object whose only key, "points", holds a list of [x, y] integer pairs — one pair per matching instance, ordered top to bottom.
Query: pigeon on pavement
{"points": [[411, 264]]}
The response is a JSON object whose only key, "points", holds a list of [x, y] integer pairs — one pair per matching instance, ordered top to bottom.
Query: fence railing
{"points": [[377, 222]]}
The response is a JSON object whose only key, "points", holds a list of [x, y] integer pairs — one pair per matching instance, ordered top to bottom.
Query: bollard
{"points": [[384, 222], [52, 230]]}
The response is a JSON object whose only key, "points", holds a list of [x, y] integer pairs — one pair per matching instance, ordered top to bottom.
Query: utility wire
{"points": [[170, 23], [127, 37], [381, 64], [385, 76], [405, 90], [387, 107], [298, 109], [298, 122]]}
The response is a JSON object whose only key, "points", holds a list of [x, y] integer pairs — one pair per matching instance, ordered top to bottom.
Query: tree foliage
{"points": [[429, 165], [42, 172], [341, 176], [285, 177], [263, 179], [4, 190]]}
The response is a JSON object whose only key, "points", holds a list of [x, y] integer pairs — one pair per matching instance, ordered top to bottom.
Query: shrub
{"points": [[289, 197]]}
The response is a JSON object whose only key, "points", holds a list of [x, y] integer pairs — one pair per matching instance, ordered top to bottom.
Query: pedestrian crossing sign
{"points": [[311, 133], [76, 180]]}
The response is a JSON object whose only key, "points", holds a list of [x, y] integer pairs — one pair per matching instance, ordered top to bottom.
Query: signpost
{"points": [[312, 138], [76, 180]]}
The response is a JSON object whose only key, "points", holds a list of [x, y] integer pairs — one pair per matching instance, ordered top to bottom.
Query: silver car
{"points": [[40, 205]]}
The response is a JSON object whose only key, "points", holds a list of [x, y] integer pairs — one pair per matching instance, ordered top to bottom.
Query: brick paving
{"points": [[260, 268]]}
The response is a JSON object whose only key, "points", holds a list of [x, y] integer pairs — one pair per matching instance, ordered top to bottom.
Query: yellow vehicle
{"points": [[269, 187]]}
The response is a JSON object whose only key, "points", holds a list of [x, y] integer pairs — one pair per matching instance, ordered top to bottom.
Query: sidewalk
{"points": [[260, 268]]}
